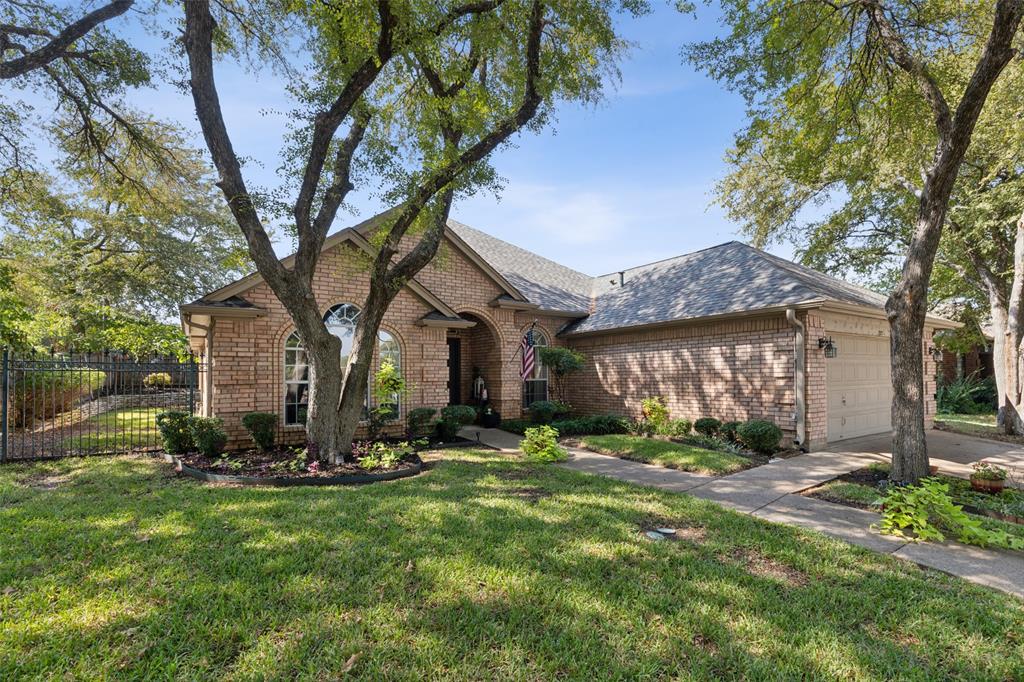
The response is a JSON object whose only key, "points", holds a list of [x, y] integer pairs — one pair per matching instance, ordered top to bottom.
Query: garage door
{"points": [[859, 388]]}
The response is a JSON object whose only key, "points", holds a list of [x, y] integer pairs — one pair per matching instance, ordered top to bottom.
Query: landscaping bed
{"points": [[977, 425], [289, 467], [865, 488], [485, 567]]}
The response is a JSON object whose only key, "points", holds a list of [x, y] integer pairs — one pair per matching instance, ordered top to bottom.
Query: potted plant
{"points": [[489, 419], [988, 478]]}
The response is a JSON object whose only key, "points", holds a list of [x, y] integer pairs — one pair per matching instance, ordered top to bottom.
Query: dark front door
{"points": [[454, 373]]}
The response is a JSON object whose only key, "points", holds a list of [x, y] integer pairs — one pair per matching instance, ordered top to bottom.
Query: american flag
{"points": [[526, 346]]}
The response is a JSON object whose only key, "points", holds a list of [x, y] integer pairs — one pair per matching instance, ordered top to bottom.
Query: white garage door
{"points": [[859, 387]]}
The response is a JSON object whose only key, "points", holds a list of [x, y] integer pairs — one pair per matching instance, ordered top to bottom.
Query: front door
{"points": [[454, 373]]}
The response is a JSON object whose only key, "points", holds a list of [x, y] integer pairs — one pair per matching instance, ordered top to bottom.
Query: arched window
{"points": [[341, 321], [389, 350], [296, 381], [535, 386]]}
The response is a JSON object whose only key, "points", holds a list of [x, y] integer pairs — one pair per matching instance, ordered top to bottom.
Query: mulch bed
{"points": [[256, 464], [866, 476]]}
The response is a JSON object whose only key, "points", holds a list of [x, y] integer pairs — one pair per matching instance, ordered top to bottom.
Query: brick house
{"points": [[730, 332]]}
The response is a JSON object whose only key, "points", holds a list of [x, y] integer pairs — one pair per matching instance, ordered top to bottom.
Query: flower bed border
{"points": [[289, 481]]}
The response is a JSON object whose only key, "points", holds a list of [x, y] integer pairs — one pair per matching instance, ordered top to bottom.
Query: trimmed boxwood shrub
{"points": [[157, 380], [45, 394], [543, 411], [463, 415], [420, 421], [597, 425], [707, 426], [262, 427], [678, 428], [174, 431], [728, 431], [208, 435], [760, 435]]}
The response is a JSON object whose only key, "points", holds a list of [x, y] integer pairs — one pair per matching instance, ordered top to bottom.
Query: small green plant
{"points": [[157, 380], [388, 387], [966, 395], [543, 411], [655, 413], [420, 421], [707, 426], [262, 427], [728, 431], [175, 433], [208, 435], [760, 435], [541, 445], [380, 455], [228, 463], [294, 464], [986, 471], [927, 512]]}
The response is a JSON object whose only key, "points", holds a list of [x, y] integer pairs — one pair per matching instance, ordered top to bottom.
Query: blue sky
{"points": [[606, 187]]}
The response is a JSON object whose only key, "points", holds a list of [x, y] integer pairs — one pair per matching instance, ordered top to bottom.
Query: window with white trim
{"points": [[341, 321], [535, 386]]}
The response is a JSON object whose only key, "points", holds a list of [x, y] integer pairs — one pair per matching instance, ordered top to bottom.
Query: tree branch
{"points": [[198, 39], [57, 47]]}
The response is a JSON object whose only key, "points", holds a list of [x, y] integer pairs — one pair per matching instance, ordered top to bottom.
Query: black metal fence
{"points": [[54, 405]]}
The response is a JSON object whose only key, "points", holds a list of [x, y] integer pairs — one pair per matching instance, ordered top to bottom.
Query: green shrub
{"points": [[561, 362], [157, 380], [46, 393], [966, 395], [543, 411], [655, 413], [463, 415], [420, 421], [516, 425], [578, 426], [707, 426], [262, 427], [641, 427], [678, 428], [729, 431], [175, 433], [208, 435], [760, 435], [541, 445], [927, 511]]}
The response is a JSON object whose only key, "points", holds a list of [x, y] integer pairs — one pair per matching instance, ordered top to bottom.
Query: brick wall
{"points": [[731, 370]]}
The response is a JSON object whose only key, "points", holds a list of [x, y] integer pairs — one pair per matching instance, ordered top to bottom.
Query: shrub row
{"points": [[45, 394], [577, 426], [182, 433], [760, 435]]}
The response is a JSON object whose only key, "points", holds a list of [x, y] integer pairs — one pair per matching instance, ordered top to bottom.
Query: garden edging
{"points": [[289, 481]]}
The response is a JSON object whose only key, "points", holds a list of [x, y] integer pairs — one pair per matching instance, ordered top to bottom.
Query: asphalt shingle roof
{"points": [[728, 278], [550, 285]]}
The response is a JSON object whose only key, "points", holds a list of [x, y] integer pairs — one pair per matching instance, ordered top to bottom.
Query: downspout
{"points": [[800, 377]]}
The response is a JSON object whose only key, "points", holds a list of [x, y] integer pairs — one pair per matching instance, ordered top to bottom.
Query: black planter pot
{"points": [[490, 421]]}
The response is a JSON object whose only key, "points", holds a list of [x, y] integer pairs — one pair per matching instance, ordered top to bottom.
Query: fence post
{"points": [[5, 391]]}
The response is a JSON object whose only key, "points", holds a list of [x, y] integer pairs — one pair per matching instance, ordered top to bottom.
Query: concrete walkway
{"points": [[770, 492]]}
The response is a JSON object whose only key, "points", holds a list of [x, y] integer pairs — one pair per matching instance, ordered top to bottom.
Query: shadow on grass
{"points": [[123, 571]]}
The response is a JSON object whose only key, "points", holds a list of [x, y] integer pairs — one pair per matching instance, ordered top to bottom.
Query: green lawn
{"points": [[981, 425], [117, 430], [666, 454], [484, 567]]}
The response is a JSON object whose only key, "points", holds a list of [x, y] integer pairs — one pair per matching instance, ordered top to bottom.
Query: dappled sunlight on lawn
{"points": [[483, 567]]}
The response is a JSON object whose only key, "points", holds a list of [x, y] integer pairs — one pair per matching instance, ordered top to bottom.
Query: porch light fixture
{"points": [[829, 345], [935, 353]]}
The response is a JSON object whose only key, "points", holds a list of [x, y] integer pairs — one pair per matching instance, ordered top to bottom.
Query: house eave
{"points": [[221, 311], [879, 313], [445, 323]]}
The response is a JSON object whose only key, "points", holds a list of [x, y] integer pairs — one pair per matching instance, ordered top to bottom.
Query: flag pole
{"points": [[519, 347]]}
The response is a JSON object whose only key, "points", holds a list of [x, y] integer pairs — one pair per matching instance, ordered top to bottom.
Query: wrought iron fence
{"points": [[65, 405]]}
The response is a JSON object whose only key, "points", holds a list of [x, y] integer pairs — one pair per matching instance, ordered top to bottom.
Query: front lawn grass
{"points": [[980, 425], [116, 430], [666, 453], [484, 567]]}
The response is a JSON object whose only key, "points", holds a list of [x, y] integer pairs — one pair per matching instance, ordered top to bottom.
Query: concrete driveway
{"points": [[952, 452]]}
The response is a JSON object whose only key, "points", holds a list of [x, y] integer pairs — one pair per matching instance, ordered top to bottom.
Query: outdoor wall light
{"points": [[829, 345], [935, 353]]}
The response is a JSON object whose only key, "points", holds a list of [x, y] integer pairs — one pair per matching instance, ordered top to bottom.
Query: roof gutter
{"points": [[799, 377]]}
